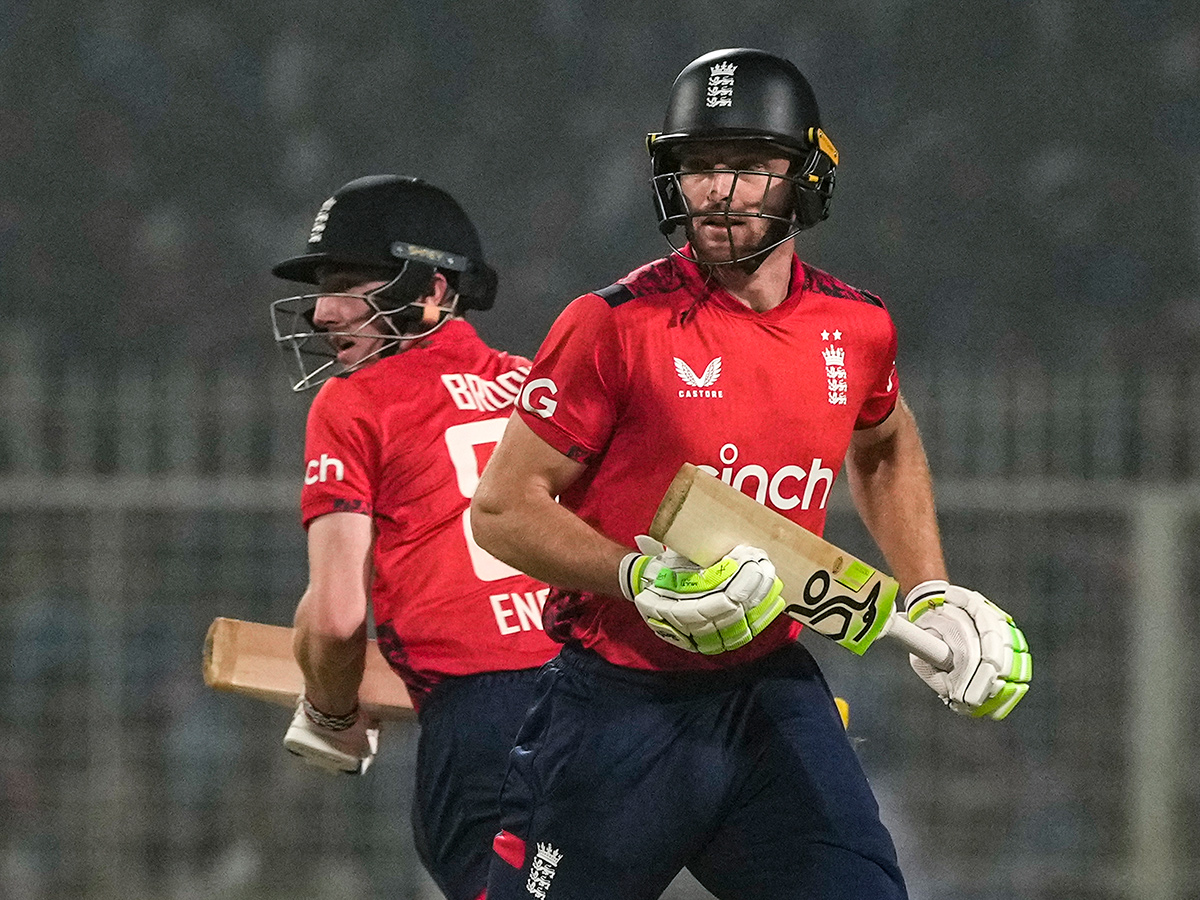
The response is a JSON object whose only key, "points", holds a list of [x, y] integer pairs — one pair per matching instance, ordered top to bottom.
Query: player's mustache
{"points": [[719, 211], [722, 217]]}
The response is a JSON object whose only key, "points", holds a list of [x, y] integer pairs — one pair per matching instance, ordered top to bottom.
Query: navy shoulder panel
{"points": [[615, 294]]}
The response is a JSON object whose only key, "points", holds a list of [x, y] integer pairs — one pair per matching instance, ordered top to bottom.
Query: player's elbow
{"points": [[500, 517], [488, 520], [331, 617]]}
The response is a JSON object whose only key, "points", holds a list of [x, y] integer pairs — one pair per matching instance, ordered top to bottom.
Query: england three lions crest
{"points": [[720, 85], [835, 367]]}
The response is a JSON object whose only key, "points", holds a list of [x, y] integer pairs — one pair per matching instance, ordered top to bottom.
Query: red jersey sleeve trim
{"points": [[863, 426], [562, 441], [323, 506]]}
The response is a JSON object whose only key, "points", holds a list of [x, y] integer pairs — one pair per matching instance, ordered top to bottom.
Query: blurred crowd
{"points": [[1019, 183]]}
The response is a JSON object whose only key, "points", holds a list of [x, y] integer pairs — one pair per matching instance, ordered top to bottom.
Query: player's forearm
{"points": [[893, 492], [515, 518], [548, 542], [331, 620], [331, 653]]}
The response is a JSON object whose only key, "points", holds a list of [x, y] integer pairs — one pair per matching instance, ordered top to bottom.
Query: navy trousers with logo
{"points": [[468, 726], [620, 778]]}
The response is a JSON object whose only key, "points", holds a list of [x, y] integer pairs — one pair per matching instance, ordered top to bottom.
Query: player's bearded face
{"points": [[738, 199], [354, 329]]}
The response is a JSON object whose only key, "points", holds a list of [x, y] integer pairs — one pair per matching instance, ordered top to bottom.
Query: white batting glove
{"points": [[638, 570], [708, 610], [992, 664], [344, 745]]}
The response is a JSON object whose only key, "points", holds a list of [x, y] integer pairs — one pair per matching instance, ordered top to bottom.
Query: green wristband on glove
{"points": [[716, 609]]}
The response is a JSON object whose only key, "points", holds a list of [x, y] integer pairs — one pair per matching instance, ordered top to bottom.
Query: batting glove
{"points": [[638, 570], [708, 610], [992, 664], [343, 745]]}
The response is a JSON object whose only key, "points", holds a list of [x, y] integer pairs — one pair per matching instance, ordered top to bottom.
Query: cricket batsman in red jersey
{"points": [[411, 404], [682, 724]]}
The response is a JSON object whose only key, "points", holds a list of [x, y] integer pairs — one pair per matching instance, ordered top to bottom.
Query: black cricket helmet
{"points": [[743, 94], [393, 227]]}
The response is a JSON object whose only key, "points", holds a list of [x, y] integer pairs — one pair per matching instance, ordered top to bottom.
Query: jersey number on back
{"points": [[461, 441]]}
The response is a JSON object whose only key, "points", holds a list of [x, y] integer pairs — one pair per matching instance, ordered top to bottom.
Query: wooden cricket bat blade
{"points": [[830, 591], [255, 660]]}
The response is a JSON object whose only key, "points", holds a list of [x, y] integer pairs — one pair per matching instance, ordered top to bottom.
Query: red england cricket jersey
{"points": [[665, 367], [404, 441]]}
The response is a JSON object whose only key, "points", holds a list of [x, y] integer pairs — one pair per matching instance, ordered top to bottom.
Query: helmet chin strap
{"points": [[401, 301], [431, 313], [420, 319]]}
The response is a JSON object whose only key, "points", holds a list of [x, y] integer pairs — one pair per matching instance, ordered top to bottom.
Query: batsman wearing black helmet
{"points": [[775, 117], [434, 275], [393, 449], [682, 724]]}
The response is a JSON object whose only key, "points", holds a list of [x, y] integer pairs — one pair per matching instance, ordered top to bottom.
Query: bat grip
{"points": [[919, 642]]}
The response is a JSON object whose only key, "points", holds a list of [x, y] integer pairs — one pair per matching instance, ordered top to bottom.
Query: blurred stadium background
{"points": [[1020, 180]]}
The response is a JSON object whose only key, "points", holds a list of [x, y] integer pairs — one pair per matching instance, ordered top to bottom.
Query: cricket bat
{"points": [[826, 588], [255, 660]]}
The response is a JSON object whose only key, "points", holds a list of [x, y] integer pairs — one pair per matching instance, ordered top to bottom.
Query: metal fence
{"points": [[137, 505]]}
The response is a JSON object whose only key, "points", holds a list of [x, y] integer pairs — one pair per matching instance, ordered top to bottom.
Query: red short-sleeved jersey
{"points": [[664, 368], [404, 441]]}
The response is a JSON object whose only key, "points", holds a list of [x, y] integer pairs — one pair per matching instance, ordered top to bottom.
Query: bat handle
{"points": [[919, 642]]}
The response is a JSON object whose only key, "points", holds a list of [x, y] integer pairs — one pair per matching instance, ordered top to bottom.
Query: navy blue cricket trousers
{"points": [[468, 726], [621, 777]]}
